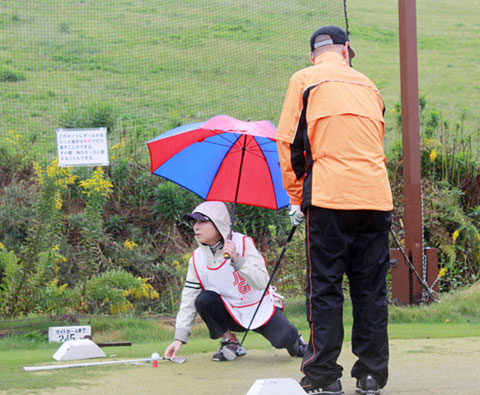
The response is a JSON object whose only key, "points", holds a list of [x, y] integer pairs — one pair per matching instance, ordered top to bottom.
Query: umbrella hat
{"points": [[222, 159]]}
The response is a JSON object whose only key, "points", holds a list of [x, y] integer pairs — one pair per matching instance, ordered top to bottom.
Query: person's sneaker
{"points": [[299, 348], [229, 350], [239, 351], [367, 386], [334, 388]]}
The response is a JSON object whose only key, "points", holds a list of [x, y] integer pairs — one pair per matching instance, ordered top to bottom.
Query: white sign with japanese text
{"points": [[82, 147], [62, 334]]}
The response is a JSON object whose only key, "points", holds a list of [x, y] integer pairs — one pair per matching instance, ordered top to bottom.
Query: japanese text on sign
{"points": [[82, 147], [64, 333]]}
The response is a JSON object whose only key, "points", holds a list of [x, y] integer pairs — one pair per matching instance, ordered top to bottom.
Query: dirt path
{"points": [[427, 366]]}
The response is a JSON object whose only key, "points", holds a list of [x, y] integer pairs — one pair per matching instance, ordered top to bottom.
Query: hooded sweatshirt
{"points": [[249, 266]]}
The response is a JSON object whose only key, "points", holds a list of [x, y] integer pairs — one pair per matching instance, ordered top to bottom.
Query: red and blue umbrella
{"points": [[222, 159]]}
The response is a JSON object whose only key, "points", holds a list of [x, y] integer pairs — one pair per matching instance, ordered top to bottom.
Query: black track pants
{"points": [[354, 242], [278, 330]]}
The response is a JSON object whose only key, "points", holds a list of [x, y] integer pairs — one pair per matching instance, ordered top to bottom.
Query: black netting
{"points": [[148, 65]]}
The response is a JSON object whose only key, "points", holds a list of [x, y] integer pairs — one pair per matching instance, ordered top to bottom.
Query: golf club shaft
{"points": [[290, 235], [409, 263], [85, 364], [79, 365]]}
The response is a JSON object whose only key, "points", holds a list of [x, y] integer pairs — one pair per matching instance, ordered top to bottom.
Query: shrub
{"points": [[9, 75], [91, 115], [15, 155], [96, 190], [451, 195], [172, 202], [16, 212], [257, 222], [38, 256], [291, 274], [116, 291]]}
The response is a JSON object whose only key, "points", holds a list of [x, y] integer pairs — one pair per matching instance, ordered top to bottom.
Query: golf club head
{"points": [[176, 359]]}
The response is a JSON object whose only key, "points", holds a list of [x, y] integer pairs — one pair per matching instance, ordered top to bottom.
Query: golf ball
{"points": [[155, 356]]}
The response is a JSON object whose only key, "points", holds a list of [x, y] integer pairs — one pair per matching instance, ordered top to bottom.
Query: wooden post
{"points": [[411, 289]]}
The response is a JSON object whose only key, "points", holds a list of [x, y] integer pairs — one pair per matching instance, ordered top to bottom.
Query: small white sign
{"points": [[82, 147], [61, 334], [78, 349], [280, 386]]}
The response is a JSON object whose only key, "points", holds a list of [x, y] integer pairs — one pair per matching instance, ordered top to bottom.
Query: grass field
{"points": [[446, 55], [158, 64], [456, 316]]}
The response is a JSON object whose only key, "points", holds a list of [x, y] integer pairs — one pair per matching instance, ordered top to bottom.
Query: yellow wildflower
{"points": [[13, 137], [119, 145], [433, 154], [38, 172], [67, 178], [97, 184], [58, 200], [455, 235], [130, 245], [2, 247], [442, 272], [129, 292], [147, 292], [121, 307]]}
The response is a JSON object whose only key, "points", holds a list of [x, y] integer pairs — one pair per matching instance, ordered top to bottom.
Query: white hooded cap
{"points": [[217, 212]]}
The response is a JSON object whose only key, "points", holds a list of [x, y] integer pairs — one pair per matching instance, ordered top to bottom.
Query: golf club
{"points": [[290, 235], [409, 263], [79, 365]]}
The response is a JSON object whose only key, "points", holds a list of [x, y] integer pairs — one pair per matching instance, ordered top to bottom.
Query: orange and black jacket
{"points": [[330, 139]]}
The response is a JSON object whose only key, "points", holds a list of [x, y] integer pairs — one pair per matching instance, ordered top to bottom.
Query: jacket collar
{"points": [[330, 57]]}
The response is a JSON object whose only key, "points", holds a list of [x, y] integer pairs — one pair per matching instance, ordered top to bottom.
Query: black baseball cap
{"points": [[337, 36], [196, 216]]}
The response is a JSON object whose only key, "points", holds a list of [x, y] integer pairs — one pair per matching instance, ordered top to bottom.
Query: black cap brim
{"points": [[196, 216]]}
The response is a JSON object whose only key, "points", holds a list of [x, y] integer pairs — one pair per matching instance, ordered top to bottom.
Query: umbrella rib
{"points": [[223, 135], [232, 143], [220, 144], [230, 146], [260, 146], [257, 153], [262, 156]]}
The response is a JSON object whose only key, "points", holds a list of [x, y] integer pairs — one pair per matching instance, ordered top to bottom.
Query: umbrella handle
{"points": [[227, 255]]}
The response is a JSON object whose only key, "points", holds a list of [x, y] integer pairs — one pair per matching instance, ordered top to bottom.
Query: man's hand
{"points": [[296, 215], [173, 349]]}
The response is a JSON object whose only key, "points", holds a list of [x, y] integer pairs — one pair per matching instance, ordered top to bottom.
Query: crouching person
{"points": [[226, 292]]}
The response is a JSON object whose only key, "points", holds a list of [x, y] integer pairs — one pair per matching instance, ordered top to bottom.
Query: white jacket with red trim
{"points": [[250, 266], [239, 298]]}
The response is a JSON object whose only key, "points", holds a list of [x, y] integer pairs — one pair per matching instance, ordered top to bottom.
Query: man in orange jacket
{"points": [[330, 143]]}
